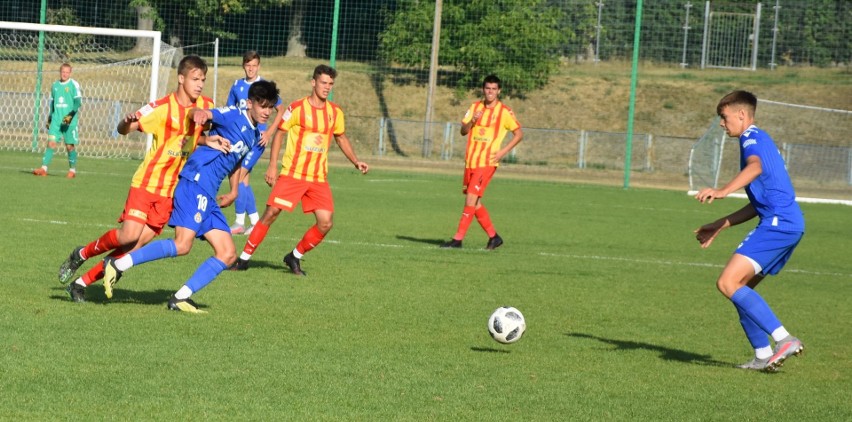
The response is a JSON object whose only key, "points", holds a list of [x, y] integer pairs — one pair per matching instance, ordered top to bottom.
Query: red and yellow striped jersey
{"points": [[309, 133], [486, 136], [175, 137]]}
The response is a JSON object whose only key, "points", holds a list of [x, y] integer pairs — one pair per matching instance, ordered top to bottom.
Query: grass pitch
{"points": [[624, 322]]}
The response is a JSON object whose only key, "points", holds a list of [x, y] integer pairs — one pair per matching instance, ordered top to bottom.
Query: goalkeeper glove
{"points": [[67, 120]]}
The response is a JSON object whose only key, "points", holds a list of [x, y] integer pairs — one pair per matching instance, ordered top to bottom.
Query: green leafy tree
{"points": [[196, 20], [519, 40]]}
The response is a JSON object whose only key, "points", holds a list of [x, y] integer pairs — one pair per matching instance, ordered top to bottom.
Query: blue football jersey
{"points": [[238, 95], [208, 167], [771, 193]]}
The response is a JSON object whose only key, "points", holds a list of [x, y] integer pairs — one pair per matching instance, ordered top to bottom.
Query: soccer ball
{"points": [[506, 325]]}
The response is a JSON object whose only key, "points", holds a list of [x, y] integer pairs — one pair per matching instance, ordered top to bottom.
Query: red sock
{"points": [[484, 220], [464, 222], [258, 233], [310, 240], [107, 242], [97, 272]]}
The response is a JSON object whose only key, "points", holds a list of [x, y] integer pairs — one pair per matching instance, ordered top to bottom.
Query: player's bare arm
{"points": [[200, 116], [128, 124], [467, 127], [517, 135], [266, 136], [216, 142], [345, 146], [272, 170], [750, 172], [233, 180], [706, 233]]}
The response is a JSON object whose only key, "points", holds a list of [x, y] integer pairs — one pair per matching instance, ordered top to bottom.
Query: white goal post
{"points": [[114, 81]]}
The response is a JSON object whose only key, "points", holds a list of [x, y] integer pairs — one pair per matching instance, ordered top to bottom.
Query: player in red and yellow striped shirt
{"points": [[310, 124], [485, 124], [149, 202]]}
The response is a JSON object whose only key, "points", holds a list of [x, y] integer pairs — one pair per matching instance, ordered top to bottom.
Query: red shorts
{"points": [[476, 180], [287, 192], [147, 208]]}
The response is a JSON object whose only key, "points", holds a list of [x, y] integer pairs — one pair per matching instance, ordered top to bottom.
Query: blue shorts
{"points": [[195, 210], [769, 249]]}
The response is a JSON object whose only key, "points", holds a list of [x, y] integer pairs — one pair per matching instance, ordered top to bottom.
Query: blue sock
{"points": [[240, 203], [250, 206], [157, 249], [206, 272], [756, 309], [756, 336]]}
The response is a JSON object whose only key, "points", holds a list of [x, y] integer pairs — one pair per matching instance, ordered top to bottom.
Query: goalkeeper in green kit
{"points": [[62, 122]]}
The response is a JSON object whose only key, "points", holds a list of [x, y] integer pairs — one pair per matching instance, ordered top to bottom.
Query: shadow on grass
{"points": [[421, 240], [95, 294], [489, 350], [665, 352]]}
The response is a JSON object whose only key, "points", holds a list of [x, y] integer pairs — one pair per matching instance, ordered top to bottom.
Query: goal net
{"points": [[118, 71], [814, 142]]}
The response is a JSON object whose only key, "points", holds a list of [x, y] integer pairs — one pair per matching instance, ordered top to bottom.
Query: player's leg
{"points": [[53, 137], [71, 142], [286, 193], [318, 200], [250, 205], [468, 213], [239, 226], [108, 241], [224, 255], [758, 339]]}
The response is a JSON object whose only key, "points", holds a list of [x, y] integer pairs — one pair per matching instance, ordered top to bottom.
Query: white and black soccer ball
{"points": [[506, 325]]}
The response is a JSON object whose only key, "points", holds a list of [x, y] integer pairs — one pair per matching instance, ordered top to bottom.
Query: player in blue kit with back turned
{"points": [[196, 213], [769, 246]]}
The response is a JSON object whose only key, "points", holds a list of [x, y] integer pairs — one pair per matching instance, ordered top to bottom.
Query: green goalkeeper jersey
{"points": [[65, 99]]}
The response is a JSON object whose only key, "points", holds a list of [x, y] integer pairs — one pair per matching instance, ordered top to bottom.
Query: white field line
{"points": [[660, 262]]}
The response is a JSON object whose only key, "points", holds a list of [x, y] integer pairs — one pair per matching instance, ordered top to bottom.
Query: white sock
{"points": [[44, 168], [72, 170], [254, 218], [240, 219], [297, 254], [245, 256], [124, 263], [80, 282], [183, 293], [780, 333], [763, 352]]}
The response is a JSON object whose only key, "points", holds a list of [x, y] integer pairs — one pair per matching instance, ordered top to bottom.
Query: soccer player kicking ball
{"points": [[310, 124], [485, 124], [149, 201], [196, 213], [765, 249]]}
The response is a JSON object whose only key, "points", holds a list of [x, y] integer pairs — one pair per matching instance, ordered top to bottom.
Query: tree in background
{"points": [[196, 21], [519, 40]]}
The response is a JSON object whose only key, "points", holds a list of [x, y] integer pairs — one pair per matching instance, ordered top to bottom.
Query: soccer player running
{"points": [[65, 100], [309, 124], [485, 124], [149, 201], [245, 203], [196, 213], [766, 249]]}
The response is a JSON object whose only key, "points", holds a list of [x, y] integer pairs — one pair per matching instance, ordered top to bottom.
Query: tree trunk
{"points": [[145, 23], [295, 46]]}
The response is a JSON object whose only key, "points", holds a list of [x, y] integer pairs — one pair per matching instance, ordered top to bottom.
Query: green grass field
{"points": [[623, 318]]}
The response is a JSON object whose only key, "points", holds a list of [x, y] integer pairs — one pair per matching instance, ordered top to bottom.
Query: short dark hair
{"points": [[251, 55], [188, 63], [324, 70], [492, 79], [263, 92], [741, 98]]}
